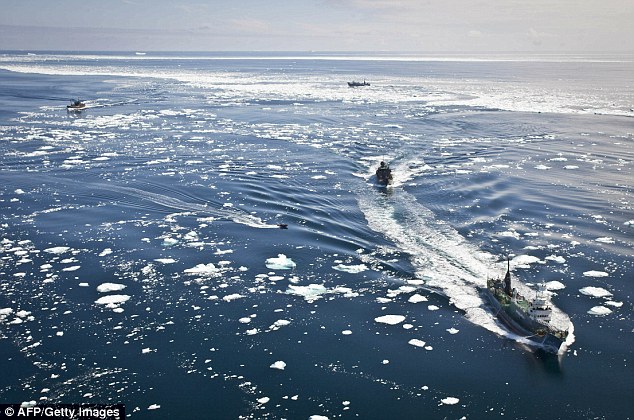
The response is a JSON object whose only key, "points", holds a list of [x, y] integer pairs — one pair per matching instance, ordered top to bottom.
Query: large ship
{"points": [[529, 318]]}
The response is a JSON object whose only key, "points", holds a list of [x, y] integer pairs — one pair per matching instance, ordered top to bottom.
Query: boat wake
{"points": [[152, 201], [442, 258]]}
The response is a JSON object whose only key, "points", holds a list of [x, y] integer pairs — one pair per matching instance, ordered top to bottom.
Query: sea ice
{"points": [[605, 240], [170, 242], [57, 250], [105, 252], [556, 258], [165, 260], [525, 260], [282, 262], [351, 268], [208, 270], [595, 273], [555, 285], [110, 287], [595, 292], [310, 293], [232, 297], [417, 298], [112, 299], [600, 311], [390, 319], [452, 331], [346, 332], [416, 342], [280, 365], [264, 400], [450, 400], [154, 407]]}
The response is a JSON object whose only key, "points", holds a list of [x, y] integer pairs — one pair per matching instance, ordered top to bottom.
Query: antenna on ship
{"points": [[507, 278]]}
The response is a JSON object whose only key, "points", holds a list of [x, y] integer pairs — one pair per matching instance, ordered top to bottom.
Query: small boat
{"points": [[356, 84], [76, 105], [384, 174], [530, 318]]}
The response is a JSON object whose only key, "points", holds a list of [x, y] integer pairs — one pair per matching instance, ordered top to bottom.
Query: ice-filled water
{"points": [[142, 260]]}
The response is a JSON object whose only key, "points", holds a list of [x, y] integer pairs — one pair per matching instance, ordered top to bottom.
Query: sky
{"points": [[460, 26]]}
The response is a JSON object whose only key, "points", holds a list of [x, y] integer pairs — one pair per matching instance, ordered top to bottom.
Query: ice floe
{"points": [[57, 250], [281, 262], [351, 268], [207, 270], [593, 273], [555, 285], [110, 287], [595, 292], [310, 293], [416, 298], [112, 299], [600, 311], [390, 319], [416, 342], [279, 365], [450, 401]]}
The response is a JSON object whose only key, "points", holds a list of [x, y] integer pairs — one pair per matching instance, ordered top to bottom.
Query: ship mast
{"points": [[507, 278]]}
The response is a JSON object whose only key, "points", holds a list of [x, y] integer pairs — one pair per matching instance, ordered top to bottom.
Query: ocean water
{"points": [[141, 260]]}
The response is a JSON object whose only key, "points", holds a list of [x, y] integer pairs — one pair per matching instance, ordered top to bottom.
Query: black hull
{"points": [[383, 176], [519, 324]]}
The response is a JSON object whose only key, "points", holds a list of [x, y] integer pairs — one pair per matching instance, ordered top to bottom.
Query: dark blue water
{"points": [[167, 192]]}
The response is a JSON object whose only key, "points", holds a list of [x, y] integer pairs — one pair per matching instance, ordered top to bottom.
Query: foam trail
{"points": [[441, 257]]}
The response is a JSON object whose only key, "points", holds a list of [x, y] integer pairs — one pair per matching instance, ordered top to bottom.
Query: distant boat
{"points": [[356, 84], [76, 105], [384, 174], [530, 318]]}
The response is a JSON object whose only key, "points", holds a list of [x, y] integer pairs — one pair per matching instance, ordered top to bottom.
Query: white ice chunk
{"points": [[605, 240], [57, 250], [105, 252], [556, 258], [165, 260], [525, 260], [282, 262], [351, 268], [208, 270], [593, 273], [555, 285], [110, 287], [595, 292], [310, 293], [232, 297], [417, 298], [112, 299], [600, 311], [390, 319], [452, 331], [416, 342], [280, 365], [450, 400], [154, 407]]}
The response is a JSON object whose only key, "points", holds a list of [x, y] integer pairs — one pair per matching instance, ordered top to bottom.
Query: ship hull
{"points": [[519, 323]]}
